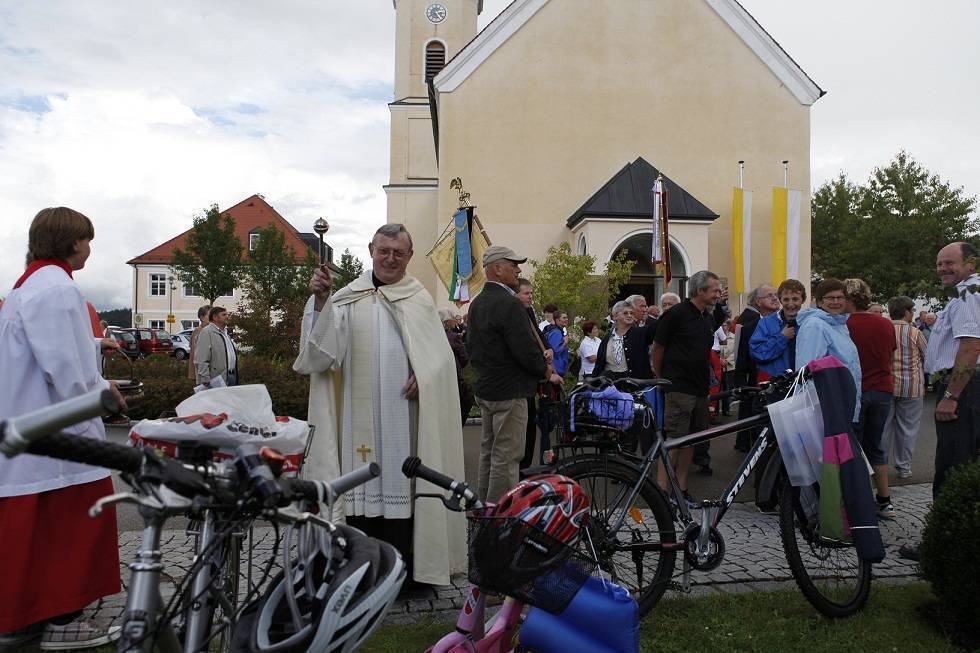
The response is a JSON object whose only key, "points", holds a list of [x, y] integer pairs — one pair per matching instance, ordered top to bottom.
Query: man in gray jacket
{"points": [[215, 353]]}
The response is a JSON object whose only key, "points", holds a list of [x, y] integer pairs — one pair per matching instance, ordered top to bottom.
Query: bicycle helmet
{"points": [[553, 503], [336, 600]]}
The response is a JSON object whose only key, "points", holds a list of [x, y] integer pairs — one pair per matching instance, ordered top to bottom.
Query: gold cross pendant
{"points": [[364, 450]]}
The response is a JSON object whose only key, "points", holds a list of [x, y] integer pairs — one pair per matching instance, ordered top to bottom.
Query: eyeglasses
{"points": [[384, 252], [771, 295]]}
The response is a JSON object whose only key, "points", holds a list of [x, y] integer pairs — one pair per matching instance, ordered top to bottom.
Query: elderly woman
{"points": [[823, 332], [875, 342], [625, 349], [56, 560]]}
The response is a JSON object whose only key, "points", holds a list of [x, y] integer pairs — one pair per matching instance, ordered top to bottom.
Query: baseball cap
{"points": [[500, 253]]}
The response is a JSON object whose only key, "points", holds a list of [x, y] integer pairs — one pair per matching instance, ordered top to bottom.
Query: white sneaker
{"points": [[904, 473], [76, 635]]}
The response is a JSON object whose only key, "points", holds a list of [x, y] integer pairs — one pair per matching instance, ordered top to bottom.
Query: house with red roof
{"points": [[158, 294]]}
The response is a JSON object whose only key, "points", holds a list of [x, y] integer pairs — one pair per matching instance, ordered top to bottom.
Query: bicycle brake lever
{"points": [[111, 500], [451, 503]]}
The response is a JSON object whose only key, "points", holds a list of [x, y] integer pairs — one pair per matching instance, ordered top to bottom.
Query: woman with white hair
{"points": [[624, 351]]}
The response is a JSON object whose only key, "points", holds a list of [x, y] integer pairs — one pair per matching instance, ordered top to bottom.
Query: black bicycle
{"points": [[632, 526]]}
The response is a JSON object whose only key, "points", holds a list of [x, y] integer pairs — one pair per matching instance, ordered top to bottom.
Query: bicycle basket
{"points": [[591, 416], [509, 556]]}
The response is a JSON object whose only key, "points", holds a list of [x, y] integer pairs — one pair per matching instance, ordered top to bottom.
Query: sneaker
{"points": [[904, 473], [886, 510], [77, 634], [18, 638]]}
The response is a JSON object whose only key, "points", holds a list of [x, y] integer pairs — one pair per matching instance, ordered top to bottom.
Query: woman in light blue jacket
{"points": [[823, 332]]}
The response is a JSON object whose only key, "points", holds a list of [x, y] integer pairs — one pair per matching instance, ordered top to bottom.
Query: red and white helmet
{"points": [[553, 503]]}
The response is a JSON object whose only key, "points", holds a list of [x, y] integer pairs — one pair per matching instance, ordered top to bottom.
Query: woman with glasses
{"points": [[823, 332]]}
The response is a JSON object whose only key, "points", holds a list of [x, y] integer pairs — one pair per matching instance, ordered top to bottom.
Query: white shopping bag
{"points": [[226, 418], [810, 428], [791, 440]]}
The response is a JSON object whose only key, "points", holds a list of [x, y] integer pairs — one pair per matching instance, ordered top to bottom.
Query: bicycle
{"points": [[236, 492], [632, 521], [547, 576]]}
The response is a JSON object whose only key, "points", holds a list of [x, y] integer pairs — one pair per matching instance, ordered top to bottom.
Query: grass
{"points": [[895, 619]]}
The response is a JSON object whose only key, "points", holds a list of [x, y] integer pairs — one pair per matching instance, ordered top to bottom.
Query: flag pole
{"points": [[785, 174], [741, 184]]}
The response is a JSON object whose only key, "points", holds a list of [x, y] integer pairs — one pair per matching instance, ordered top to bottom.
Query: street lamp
{"points": [[173, 289]]}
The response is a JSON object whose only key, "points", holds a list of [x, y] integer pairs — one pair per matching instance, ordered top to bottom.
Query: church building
{"points": [[559, 115]]}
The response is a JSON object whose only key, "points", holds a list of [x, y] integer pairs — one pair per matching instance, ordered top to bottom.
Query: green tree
{"points": [[889, 230], [211, 264], [350, 267], [566, 279], [274, 290]]}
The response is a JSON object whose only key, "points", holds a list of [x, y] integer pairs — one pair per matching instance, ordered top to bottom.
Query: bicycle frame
{"points": [[712, 511], [471, 633]]}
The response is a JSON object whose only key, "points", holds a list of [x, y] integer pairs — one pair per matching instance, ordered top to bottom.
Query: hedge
{"points": [[166, 384]]}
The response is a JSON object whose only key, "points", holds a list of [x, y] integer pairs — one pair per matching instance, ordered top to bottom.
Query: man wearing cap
{"points": [[509, 362], [382, 388]]}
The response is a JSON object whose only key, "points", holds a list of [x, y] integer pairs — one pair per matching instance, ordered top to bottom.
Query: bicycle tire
{"points": [[645, 574], [830, 575]]}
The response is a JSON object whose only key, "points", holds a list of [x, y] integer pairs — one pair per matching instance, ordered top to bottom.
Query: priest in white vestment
{"points": [[382, 388]]}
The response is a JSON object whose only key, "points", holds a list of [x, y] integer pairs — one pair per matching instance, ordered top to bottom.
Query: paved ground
{"points": [[754, 560]]}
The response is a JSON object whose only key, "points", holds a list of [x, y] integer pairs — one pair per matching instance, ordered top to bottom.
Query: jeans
{"points": [[501, 445]]}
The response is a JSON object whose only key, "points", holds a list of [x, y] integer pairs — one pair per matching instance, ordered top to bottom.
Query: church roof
{"points": [[518, 12], [630, 193], [250, 214]]}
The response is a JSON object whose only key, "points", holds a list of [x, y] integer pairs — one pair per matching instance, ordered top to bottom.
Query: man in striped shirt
{"points": [[953, 351], [902, 425]]}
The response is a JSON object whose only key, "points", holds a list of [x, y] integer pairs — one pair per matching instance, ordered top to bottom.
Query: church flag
{"points": [[741, 237], [660, 247], [785, 249], [444, 257], [463, 258]]}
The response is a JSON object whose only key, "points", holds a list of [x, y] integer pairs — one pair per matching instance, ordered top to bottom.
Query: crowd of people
{"points": [[390, 378]]}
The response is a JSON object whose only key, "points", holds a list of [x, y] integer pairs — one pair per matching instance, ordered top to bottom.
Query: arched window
{"points": [[435, 59], [583, 247], [644, 279]]}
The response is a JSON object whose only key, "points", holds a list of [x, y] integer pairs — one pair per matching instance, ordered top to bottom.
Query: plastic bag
{"points": [[226, 418], [791, 440]]}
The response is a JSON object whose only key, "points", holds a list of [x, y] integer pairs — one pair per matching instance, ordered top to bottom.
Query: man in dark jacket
{"points": [[762, 301], [509, 363]]}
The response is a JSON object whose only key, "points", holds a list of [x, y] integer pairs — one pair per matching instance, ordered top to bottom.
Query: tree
{"points": [[888, 231], [211, 263], [351, 268], [566, 279], [274, 291]]}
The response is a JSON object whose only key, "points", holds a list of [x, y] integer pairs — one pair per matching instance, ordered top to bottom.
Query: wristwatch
{"points": [[950, 395]]}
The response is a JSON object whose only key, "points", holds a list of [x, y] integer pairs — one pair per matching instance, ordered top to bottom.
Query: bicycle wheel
{"points": [[647, 519], [828, 572]]}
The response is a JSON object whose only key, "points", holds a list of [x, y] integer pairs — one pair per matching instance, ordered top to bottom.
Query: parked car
{"points": [[152, 341], [127, 342], [182, 346]]}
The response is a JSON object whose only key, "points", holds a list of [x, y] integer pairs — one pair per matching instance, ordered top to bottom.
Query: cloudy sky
{"points": [[141, 114]]}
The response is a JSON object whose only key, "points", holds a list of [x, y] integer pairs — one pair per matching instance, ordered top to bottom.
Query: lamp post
{"points": [[173, 289]]}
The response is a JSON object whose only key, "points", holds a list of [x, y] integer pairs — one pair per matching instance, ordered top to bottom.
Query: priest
{"points": [[382, 388]]}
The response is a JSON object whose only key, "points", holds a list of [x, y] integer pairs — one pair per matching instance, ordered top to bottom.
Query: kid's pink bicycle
{"points": [[524, 548]]}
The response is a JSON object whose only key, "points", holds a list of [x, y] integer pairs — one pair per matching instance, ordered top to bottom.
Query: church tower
{"points": [[428, 33]]}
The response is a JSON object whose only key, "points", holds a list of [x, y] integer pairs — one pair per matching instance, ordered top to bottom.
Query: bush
{"points": [[166, 383], [950, 553]]}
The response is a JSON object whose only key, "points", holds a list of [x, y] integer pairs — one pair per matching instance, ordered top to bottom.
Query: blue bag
{"points": [[612, 407], [602, 618]]}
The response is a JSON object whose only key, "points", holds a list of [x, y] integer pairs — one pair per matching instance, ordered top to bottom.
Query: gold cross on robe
{"points": [[364, 450]]}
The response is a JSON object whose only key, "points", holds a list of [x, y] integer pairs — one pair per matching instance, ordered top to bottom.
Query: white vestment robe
{"points": [[359, 352]]}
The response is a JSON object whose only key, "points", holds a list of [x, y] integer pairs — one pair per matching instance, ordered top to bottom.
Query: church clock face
{"points": [[436, 13]]}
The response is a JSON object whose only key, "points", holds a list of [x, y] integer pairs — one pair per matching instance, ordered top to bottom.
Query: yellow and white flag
{"points": [[785, 234], [742, 237]]}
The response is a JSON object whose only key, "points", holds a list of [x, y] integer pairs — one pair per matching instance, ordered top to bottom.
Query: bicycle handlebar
{"points": [[17, 434], [81, 449], [413, 467], [323, 491]]}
